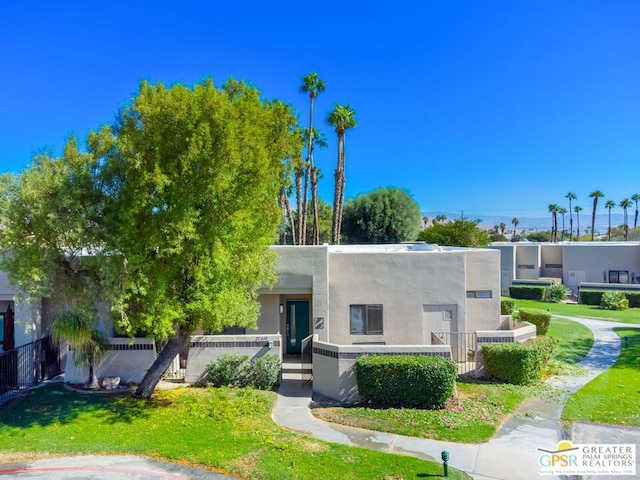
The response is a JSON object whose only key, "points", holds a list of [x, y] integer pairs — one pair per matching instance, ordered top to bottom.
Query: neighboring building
{"points": [[573, 262]]}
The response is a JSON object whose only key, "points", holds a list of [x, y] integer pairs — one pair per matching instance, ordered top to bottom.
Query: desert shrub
{"points": [[527, 292], [557, 293], [590, 297], [614, 300], [507, 305], [540, 318], [518, 363], [230, 369], [239, 371], [266, 371], [405, 380]]}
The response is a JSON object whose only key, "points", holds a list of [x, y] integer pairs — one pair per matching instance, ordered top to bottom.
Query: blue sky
{"points": [[491, 107]]}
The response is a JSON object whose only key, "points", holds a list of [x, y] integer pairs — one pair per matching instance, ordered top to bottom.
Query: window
{"points": [[552, 265], [526, 267], [618, 276], [479, 294], [366, 319]]}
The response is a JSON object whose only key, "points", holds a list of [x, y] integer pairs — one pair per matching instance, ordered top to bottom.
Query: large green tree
{"points": [[342, 118], [193, 178], [596, 194], [386, 215], [457, 233]]}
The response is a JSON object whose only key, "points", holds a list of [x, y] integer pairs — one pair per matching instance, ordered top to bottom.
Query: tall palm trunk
{"points": [[309, 171], [299, 175], [338, 192], [314, 199], [304, 213], [287, 215], [609, 224]]}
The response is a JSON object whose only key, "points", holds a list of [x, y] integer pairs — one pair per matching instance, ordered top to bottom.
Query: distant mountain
{"points": [[542, 223]]}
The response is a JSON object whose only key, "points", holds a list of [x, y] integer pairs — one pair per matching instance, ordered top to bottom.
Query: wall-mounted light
{"points": [[281, 308]]}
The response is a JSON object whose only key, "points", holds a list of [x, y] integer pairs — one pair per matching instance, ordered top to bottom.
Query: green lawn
{"points": [[631, 315], [575, 342], [613, 396], [472, 418], [228, 430]]}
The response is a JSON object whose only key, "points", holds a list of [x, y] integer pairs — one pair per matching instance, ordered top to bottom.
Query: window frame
{"points": [[617, 273], [481, 294], [366, 326]]}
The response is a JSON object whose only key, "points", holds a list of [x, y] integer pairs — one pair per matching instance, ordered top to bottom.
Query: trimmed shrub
{"points": [[527, 292], [557, 293], [590, 297], [594, 297], [634, 299], [614, 300], [507, 305], [540, 318], [518, 363], [238, 371], [266, 371], [405, 380]]}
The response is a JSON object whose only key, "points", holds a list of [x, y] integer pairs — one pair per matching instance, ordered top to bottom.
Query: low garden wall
{"points": [[518, 332], [203, 349], [126, 358], [333, 365]]}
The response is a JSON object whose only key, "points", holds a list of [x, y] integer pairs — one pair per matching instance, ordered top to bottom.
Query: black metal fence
{"points": [[463, 349], [306, 358], [28, 365]]}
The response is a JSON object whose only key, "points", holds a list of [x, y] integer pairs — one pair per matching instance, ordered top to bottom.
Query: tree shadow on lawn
{"points": [[55, 404]]}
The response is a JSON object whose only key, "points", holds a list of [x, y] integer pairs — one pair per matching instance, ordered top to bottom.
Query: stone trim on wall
{"points": [[234, 344], [353, 355]]}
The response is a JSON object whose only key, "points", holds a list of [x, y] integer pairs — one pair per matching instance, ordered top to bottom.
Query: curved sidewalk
{"points": [[510, 454]]}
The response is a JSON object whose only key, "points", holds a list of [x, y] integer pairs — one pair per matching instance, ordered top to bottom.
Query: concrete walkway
{"points": [[510, 454]]}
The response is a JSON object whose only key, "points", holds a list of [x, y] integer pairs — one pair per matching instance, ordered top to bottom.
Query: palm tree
{"points": [[312, 85], [342, 118], [318, 140], [595, 195], [570, 196], [636, 198], [626, 203], [609, 204], [553, 209], [577, 209], [562, 211], [425, 222], [515, 222], [503, 227], [87, 343]]}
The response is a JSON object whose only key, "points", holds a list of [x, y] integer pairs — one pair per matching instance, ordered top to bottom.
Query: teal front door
{"points": [[297, 324]]}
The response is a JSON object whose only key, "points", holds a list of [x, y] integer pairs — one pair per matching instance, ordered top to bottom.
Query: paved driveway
{"points": [[93, 467]]}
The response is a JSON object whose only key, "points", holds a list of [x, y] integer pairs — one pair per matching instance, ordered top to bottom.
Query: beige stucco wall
{"points": [[551, 254], [528, 255], [596, 259], [507, 265], [302, 273], [483, 273], [408, 285], [269, 320], [130, 364]]}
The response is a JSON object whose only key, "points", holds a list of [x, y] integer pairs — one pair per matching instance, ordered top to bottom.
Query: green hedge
{"points": [[527, 292], [594, 297], [507, 305], [540, 318], [518, 363], [405, 380]]}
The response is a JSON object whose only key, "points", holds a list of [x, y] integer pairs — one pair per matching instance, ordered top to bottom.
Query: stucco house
{"points": [[592, 264], [333, 303]]}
